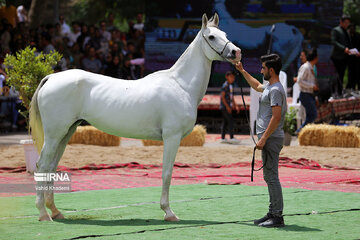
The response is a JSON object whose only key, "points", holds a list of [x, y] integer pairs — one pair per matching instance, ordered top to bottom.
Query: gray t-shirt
{"points": [[273, 95]]}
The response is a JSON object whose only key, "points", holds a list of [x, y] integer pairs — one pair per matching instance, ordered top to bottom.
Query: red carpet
{"points": [[301, 173]]}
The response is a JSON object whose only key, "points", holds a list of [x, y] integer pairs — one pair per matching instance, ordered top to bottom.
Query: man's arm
{"points": [[335, 35], [255, 84], [235, 106], [228, 108], [273, 124]]}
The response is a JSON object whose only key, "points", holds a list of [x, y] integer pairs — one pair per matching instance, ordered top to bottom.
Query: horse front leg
{"points": [[171, 146]]}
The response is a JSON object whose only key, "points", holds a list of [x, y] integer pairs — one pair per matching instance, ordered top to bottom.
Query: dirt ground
{"points": [[80, 155]]}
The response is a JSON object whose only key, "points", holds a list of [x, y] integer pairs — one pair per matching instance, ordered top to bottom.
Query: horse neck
{"points": [[192, 70]]}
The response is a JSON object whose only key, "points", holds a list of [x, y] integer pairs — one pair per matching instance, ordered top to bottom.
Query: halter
{"points": [[220, 54]]}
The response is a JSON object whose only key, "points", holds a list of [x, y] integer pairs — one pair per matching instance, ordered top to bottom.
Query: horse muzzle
{"points": [[234, 56]]}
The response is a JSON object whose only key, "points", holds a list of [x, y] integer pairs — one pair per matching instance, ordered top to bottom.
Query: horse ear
{"points": [[216, 19], [204, 21]]}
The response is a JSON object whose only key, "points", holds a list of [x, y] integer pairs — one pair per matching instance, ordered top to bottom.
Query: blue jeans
{"points": [[309, 103]]}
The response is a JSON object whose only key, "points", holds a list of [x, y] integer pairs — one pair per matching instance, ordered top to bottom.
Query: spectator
{"points": [[22, 14], [110, 23], [139, 25], [65, 28], [103, 30], [84, 34], [90, 34], [73, 36], [6, 37], [95, 40], [45, 43], [115, 49], [131, 51], [340, 53], [76, 55], [354, 60], [302, 61], [107, 62], [91, 63], [114, 69], [128, 70], [3, 77], [307, 82], [227, 104]]}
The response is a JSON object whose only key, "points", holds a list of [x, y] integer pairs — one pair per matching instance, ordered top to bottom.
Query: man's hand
{"points": [[347, 51], [240, 67], [295, 79], [316, 88], [228, 109], [237, 109], [260, 144]]}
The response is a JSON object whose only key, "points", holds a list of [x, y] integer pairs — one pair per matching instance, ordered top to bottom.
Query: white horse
{"points": [[161, 106]]}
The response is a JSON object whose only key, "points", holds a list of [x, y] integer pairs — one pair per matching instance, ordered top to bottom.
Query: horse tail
{"points": [[35, 123]]}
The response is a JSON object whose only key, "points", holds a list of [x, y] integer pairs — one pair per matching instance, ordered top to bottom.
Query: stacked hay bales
{"points": [[89, 135], [329, 136], [195, 138]]}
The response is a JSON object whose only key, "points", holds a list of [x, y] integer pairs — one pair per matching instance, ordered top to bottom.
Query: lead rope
{"points": [[252, 136]]}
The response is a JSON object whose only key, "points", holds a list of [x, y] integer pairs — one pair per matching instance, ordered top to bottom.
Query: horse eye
{"points": [[211, 37]]}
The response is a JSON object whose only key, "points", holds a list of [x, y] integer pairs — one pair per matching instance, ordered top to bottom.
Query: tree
{"points": [[351, 8], [92, 11], [42, 12], [26, 69]]}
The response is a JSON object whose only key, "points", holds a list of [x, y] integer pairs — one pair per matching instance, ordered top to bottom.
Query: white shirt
{"points": [[138, 26], [65, 29], [306, 78]]}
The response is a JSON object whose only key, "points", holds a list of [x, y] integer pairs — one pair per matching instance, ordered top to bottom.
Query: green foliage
{"points": [[352, 9], [93, 11], [26, 69], [290, 121]]}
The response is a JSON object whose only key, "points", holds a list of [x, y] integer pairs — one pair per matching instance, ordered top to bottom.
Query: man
{"points": [[65, 28], [74, 34], [341, 42], [45, 43], [354, 60], [308, 84], [227, 104], [269, 128]]}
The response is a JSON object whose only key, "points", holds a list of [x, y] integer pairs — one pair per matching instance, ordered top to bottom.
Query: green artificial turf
{"points": [[206, 212]]}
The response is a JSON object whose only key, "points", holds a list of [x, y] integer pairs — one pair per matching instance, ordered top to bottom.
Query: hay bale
{"points": [[89, 135], [329, 136], [195, 138]]}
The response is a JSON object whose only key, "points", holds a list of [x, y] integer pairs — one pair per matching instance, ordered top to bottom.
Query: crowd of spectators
{"points": [[98, 48]]}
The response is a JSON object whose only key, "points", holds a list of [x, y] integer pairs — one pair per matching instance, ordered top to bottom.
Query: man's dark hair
{"points": [[345, 17], [311, 54], [272, 61], [229, 73]]}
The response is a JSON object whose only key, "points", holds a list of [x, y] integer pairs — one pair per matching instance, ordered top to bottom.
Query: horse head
{"points": [[215, 45]]}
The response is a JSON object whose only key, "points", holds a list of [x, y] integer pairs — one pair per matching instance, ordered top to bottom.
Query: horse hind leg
{"points": [[45, 165], [49, 195]]}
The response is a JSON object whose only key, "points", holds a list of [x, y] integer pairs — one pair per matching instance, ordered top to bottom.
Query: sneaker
{"points": [[224, 140], [234, 141], [263, 219], [273, 222]]}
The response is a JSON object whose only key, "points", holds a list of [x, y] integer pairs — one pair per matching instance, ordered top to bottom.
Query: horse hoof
{"points": [[58, 216], [45, 218], [172, 218]]}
